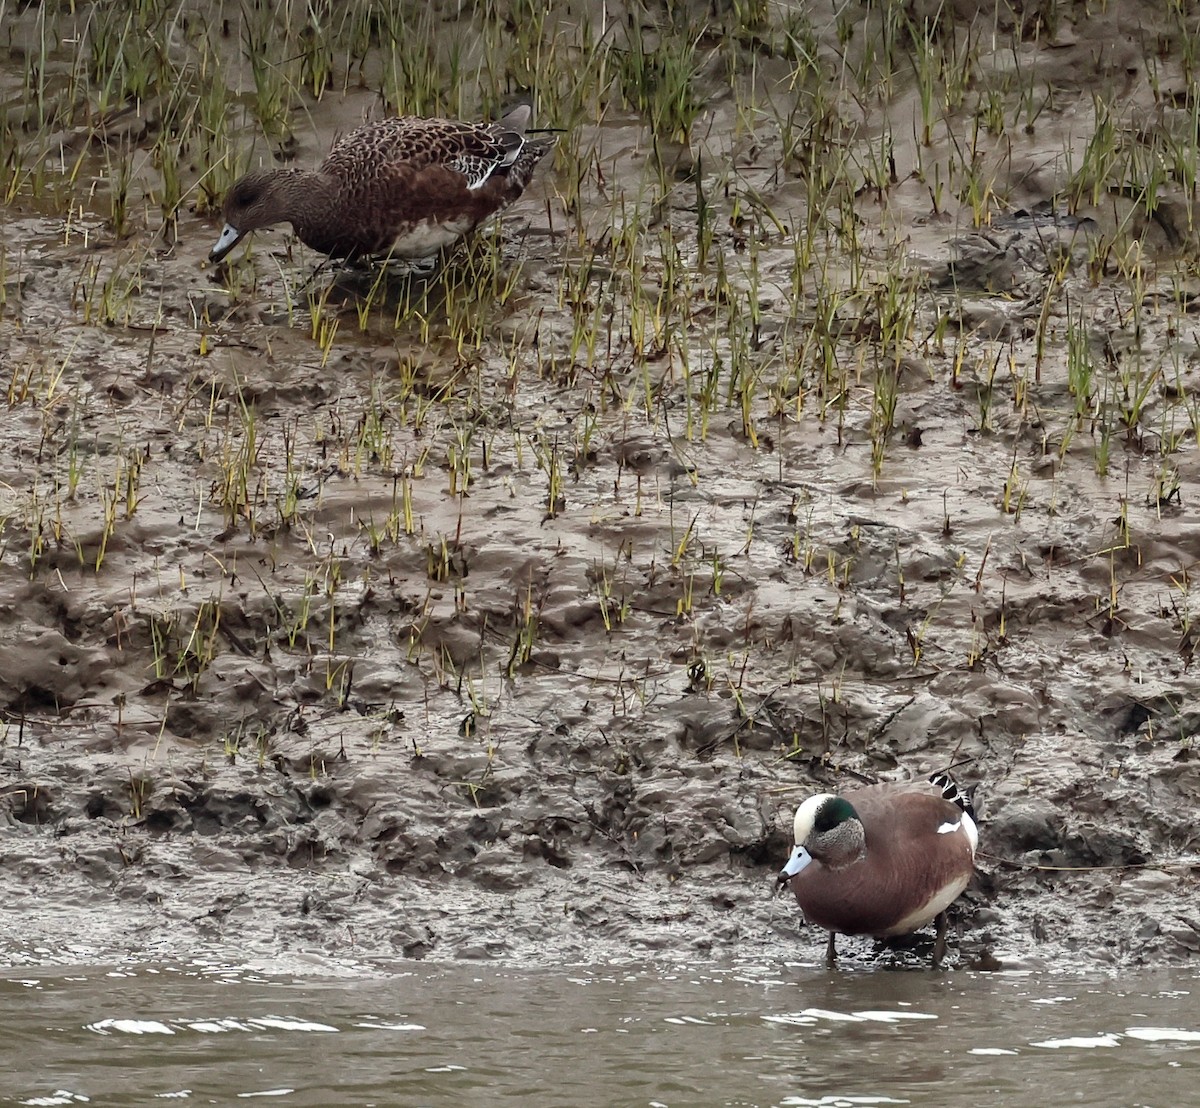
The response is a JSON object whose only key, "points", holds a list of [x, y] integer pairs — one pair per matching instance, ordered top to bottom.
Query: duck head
{"points": [[251, 203], [826, 829]]}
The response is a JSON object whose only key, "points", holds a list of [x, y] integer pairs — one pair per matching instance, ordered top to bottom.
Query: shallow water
{"points": [[787, 1035]]}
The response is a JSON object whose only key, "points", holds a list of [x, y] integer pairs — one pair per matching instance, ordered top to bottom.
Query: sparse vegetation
{"points": [[800, 325]]}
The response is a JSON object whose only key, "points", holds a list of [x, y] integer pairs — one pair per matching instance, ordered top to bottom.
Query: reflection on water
{"points": [[784, 1035]]}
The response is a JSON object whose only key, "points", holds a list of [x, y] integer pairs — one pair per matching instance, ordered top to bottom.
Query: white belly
{"points": [[428, 237], [923, 916]]}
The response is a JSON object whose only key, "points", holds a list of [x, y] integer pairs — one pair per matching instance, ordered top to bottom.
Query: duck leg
{"points": [[939, 942], [831, 950]]}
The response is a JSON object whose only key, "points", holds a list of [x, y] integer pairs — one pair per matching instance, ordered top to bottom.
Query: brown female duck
{"points": [[402, 187]]}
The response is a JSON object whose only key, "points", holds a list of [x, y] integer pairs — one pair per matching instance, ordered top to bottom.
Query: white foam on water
{"points": [[826, 1014], [895, 1017], [796, 1019], [281, 1023], [392, 1026], [129, 1027], [216, 1027], [1163, 1034], [1081, 1042], [839, 1101]]}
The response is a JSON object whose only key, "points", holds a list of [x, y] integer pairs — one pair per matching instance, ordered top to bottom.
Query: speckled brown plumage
{"points": [[405, 187]]}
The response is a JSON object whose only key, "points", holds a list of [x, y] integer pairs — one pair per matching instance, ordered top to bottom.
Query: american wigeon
{"points": [[403, 186], [883, 859]]}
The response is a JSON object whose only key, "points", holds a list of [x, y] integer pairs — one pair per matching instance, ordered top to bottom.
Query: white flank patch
{"points": [[967, 824], [923, 916], [990, 1050]]}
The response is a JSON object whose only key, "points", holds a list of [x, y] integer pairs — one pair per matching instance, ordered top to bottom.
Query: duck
{"points": [[403, 187], [883, 860]]}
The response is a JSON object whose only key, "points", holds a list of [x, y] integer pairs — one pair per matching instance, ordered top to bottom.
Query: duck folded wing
{"points": [[473, 150]]}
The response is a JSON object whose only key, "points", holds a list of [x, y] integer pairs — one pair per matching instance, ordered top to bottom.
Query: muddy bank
{"points": [[510, 614], [657, 845]]}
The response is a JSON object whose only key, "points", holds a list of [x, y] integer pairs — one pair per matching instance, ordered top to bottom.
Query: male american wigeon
{"points": [[402, 187], [883, 859]]}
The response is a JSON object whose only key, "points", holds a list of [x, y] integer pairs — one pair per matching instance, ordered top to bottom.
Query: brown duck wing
{"points": [[470, 149], [411, 186], [889, 803], [903, 821], [910, 840]]}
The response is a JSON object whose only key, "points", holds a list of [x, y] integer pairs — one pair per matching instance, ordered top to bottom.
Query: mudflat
{"points": [[825, 411]]}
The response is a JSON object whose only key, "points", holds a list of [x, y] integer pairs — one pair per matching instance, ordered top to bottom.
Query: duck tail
{"points": [[517, 117], [518, 172], [953, 792]]}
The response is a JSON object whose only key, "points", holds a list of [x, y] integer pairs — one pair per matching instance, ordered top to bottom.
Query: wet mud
{"points": [[509, 612]]}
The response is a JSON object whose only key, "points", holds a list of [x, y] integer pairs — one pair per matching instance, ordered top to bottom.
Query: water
{"points": [[329, 1035]]}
